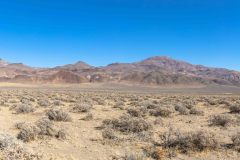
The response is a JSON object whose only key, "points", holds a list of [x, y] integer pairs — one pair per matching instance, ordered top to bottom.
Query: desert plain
{"points": [[119, 122]]}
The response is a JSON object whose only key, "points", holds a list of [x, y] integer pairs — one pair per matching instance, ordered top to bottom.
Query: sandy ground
{"points": [[85, 142]]}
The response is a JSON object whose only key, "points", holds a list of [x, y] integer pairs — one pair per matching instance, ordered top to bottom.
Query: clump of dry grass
{"points": [[27, 100], [100, 101], [212, 101], [225, 102], [43, 103], [57, 103], [189, 103], [119, 104], [148, 104], [84, 107], [24, 108], [235, 108], [182, 109], [137, 111], [161, 111], [196, 111], [58, 115], [220, 120], [127, 124], [43, 127], [46, 127], [28, 133], [108, 133], [61, 134], [144, 136], [191, 141], [236, 141], [12, 149], [156, 152], [134, 156]]}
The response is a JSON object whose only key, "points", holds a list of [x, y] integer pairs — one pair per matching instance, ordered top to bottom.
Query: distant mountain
{"points": [[3, 63], [77, 66], [11, 70], [152, 71]]}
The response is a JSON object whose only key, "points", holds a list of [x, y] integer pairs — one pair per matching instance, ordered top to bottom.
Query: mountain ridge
{"points": [[157, 70]]}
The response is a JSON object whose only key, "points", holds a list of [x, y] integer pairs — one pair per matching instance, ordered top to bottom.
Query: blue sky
{"points": [[48, 33]]}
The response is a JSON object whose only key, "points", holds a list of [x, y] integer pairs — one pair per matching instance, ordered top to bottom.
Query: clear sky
{"points": [[48, 33]]}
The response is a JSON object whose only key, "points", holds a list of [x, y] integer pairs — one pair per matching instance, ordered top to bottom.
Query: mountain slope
{"points": [[77, 66], [168, 66], [152, 71]]}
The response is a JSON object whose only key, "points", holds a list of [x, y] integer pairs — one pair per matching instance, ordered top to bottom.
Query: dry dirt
{"points": [[94, 139]]}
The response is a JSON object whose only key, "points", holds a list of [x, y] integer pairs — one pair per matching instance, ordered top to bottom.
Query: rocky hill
{"points": [[152, 71]]}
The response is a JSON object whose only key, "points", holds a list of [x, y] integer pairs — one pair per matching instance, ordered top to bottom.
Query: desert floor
{"points": [[118, 122]]}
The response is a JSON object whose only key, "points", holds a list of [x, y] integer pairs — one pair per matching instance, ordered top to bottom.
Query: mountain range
{"points": [[159, 70]]}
